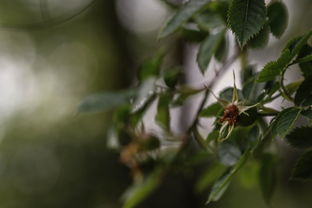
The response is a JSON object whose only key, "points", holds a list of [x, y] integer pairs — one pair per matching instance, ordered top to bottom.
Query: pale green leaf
{"points": [[182, 16], [208, 48], [105, 101], [228, 153], [222, 183], [140, 191]]}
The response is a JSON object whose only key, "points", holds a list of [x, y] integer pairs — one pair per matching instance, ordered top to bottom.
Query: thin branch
{"points": [[283, 88]]}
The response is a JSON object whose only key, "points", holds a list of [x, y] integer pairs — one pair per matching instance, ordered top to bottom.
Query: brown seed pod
{"points": [[230, 114]]}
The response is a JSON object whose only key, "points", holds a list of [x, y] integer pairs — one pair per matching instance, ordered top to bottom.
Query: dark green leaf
{"points": [[182, 16], [246, 18], [278, 18], [193, 35], [261, 39], [298, 45], [208, 48], [222, 50], [150, 67], [305, 67], [274, 68], [247, 73], [171, 76], [303, 96], [105, 101], [212, 110], [163, 111], [307, 113], [248, 118], [284, 121], [212, 136], [300, 137], [150, 143], [228, 153], [303, 168], [267, 176], [222, 183], [138, 192]]}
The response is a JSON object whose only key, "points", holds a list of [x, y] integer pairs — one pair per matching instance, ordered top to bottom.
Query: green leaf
{"points": [[182, 16], [246, 18], [278, 18], [209, 20], [193, 35], [261, 39], [298, 45], [208, 48], [222, 50], [307, 58], [151, 67], [305, 67], [274, 68], [171, 76], [293, 87], [251, 89], [184, 93], [227, 94], [303, 96], [105, 101], [139, 110], [212, 110], [163, 111], [307, 113], [248, 118], [284, 121], [212, 136], [300, 137], [228, 153], [303, 168], [212, 174], [248, 175], [267, 176], [222, 183], [140, 191]]}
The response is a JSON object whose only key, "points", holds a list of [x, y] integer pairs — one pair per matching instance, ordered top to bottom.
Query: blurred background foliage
{"points": [[52, 54]]}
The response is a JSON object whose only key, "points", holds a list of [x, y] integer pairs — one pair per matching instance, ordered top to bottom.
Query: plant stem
{"points": [[285, 93]]}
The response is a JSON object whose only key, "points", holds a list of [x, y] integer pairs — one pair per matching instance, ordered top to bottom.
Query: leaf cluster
{"points": [[239, 136]]}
